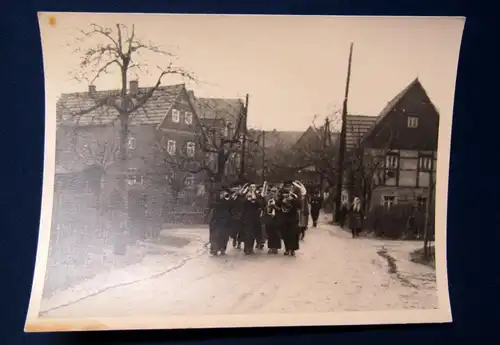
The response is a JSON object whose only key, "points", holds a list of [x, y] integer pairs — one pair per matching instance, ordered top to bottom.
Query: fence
{"points": [[398, 222]]}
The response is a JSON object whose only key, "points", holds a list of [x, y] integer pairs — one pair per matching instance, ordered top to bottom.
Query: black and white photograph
{"points": [[216, 171]]}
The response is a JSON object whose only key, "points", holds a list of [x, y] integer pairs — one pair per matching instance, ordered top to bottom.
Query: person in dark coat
{"points": [[316, 204], [290, 206], [235, 210], [344, 211], [356, 217], [251, 221], [224, 222], [272, 224], [219, 225]]}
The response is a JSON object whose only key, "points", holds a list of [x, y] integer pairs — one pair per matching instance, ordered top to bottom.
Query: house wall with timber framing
{"points": [[396, 158]]}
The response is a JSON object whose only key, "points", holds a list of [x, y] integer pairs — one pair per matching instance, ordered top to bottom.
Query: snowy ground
{"points": [[331, 272]]}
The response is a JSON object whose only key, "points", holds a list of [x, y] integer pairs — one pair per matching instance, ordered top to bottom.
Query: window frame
{"points": [[176, 115], [188, 115], [412, 121], [132, 143], [174, 145], [190, 148], [394, 168], [387, 204]]}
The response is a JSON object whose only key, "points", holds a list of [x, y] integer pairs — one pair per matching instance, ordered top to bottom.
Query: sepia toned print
{"points": [[244, 171]]}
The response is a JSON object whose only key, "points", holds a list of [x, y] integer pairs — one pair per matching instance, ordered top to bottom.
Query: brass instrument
{"points": [[286, 205], [271, 207]]}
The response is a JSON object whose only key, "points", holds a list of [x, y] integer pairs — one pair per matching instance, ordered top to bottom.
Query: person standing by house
{"points": [[316, 204], [356, 217]]}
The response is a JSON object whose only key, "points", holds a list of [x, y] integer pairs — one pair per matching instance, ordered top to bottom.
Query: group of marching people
{"points": [[251, 214]]}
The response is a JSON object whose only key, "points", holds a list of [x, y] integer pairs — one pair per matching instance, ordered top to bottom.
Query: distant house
{"points": [[163, 130], [265, 149], [307, 159], [392, 161]]}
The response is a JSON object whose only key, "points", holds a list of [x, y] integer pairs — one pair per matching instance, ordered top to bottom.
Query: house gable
{"points": [[185, 119], [393, 130]]}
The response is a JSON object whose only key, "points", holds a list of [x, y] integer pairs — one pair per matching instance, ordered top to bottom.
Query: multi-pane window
{"points": [[176, 115], [188, 118], [412, 122], [171, 147], [190, 148], [425, 163], [391, 168], [425, 168], [135, 179], [189, 181], [389, 200]]}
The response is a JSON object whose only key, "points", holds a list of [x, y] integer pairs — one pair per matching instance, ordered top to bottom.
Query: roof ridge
{"points": [[118, 90]]}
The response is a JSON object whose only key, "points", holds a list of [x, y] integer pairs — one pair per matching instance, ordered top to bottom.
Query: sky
{"points": [[293, 68]]}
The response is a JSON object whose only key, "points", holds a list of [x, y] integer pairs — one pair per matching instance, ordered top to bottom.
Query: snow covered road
{"points": [[331, 272]]}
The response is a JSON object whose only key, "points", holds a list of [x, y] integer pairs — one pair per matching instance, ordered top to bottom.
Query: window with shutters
{"points": [[176, 115]]}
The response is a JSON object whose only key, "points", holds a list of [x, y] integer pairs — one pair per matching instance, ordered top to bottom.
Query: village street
{"points": [[331, 272]]}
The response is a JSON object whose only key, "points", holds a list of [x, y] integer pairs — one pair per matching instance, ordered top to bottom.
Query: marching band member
{"points": [[290, 205], [235, 212], [251, 219], [272, 224], [220, 228]]}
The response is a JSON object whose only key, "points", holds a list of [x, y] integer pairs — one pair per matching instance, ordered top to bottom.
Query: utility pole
{"points": [[326, 133], [244, 140], [263, 155], [341, 155]]}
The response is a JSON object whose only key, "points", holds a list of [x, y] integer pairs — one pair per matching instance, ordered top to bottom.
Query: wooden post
{"points": [[263, 155], [341, 155]]}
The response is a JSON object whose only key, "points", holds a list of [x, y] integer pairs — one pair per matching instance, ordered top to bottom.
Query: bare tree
{"points": [[103, 51], [218, 144], [319, 150], [366, 167]]}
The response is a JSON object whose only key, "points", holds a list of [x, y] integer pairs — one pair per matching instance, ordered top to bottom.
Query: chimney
{"points": [[133, 86], [92, 89]]}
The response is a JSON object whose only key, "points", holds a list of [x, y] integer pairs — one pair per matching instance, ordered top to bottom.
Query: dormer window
{"points": [[176, 115], [188, 118], [412, 122]]}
